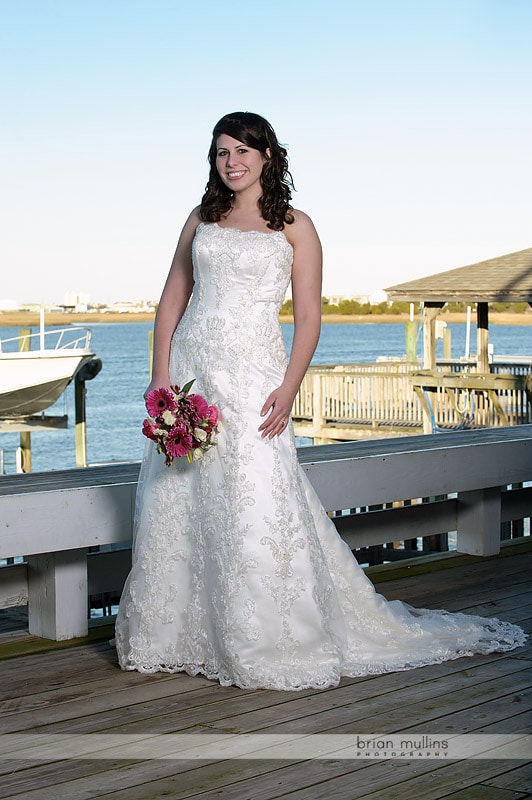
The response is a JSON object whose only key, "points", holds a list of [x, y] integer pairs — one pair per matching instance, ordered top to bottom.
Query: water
{"points": [[115, 407]]}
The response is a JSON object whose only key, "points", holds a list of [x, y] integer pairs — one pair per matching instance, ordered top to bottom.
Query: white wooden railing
{"points": [[350, 401], [471, 481]]}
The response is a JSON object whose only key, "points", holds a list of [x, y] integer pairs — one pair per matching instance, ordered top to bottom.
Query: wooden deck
{"points": [[49, 689]]}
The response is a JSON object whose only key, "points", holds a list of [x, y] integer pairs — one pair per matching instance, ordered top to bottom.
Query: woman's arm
{"points": [[306, 296], [174, 300]]}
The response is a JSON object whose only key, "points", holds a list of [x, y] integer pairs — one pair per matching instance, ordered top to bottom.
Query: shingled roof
{"points": [[506, 278]]}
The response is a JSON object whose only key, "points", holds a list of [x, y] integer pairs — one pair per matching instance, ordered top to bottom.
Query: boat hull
{"points": [[30, 382]]}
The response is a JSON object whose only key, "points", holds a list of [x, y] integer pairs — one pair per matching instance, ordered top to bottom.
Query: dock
{"points": [[347, 402], [388, 499], [53, 690], [74, 727]]}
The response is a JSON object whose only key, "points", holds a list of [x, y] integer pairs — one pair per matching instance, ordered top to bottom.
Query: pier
{"points": [[389, 399], [74, 527], [79, 692], [73, 726]]}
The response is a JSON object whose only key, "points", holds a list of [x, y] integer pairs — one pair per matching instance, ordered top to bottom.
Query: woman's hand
{"points": [[156, 384], [277, 410]]}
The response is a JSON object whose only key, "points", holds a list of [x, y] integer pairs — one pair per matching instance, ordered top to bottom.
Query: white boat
{"points": [[36, 368]]}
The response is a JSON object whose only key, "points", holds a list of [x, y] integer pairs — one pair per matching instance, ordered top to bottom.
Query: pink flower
{"points": [[160, 400], [200, 406], [212, 415], [180, 424], [148, 429], [178, 442]]}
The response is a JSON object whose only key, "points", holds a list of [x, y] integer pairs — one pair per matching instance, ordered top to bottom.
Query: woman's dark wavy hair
{"points": [[256, 132]]}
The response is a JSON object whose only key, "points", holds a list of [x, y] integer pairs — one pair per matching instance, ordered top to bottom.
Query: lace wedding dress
{"points": [[238, 573]]}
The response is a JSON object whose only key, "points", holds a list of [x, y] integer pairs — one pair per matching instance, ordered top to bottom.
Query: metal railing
{"points": [[56, 339]]}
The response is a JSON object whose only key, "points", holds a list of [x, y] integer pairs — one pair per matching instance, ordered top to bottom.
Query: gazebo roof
{"points": [[503, 279]]}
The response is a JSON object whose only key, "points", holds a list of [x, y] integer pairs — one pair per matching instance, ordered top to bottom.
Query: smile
{"points": [[235, 174]]}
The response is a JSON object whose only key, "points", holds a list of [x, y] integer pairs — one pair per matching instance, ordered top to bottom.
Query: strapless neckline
{"points": [[240, 230]]}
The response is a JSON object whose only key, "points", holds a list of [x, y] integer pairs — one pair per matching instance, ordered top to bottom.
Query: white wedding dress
{"points": [[238, 572]]}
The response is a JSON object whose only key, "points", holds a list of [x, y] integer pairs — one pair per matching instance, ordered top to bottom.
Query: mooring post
{"points": [[411, 341], [24, 345], [447, 348], [87, 372], [80, 395]]}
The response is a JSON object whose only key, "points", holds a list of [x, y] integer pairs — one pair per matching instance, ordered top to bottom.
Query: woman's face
{"points": [[239, 166]]}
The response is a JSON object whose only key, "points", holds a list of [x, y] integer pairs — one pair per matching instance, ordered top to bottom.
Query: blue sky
{"points": [[408, 126]]}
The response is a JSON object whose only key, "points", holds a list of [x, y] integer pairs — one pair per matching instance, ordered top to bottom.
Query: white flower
{"points": [[168, 417], [200, 434], [198, 455]]}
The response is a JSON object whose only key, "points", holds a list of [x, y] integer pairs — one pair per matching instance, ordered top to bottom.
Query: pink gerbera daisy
{"points": [[159, 400], [200, 406], [178, 442]]}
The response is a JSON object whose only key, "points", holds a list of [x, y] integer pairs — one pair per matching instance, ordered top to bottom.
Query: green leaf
{"points": [[187, 386]]}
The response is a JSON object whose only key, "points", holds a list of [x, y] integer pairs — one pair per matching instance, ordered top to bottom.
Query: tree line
{"points": [[355, 308]]}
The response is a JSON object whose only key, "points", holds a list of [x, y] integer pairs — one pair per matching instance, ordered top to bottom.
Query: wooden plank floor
{"points": [[80, 690]]}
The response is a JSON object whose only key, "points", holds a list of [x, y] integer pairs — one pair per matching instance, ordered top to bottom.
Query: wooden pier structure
{"points": [[346, 402], [74, 527], [48, 692], [67, 709]]}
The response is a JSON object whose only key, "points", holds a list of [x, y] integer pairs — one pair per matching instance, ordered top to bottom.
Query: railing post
{"points": [[479, 522], [57, 594]]}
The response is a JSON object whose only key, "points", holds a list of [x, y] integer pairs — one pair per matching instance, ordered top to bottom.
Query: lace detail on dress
{"points": [[238, 573]]}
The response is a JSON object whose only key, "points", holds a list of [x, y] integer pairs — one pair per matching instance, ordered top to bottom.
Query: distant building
{"points": [[376, 297], [336, 299], [75, 302], [130, 307]]}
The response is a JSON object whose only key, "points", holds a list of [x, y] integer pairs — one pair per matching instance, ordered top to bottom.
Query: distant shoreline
{"points": [[21, 319]]}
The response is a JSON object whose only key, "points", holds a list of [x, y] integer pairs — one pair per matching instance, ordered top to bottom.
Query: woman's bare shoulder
{"points": [[194, 218], [189, 228], [301, 228]]}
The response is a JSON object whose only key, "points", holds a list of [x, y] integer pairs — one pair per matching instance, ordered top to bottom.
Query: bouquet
{"points": [[181, 424]]}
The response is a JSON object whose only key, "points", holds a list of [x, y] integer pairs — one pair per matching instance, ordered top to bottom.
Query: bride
{"points": [[238, 573]]}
